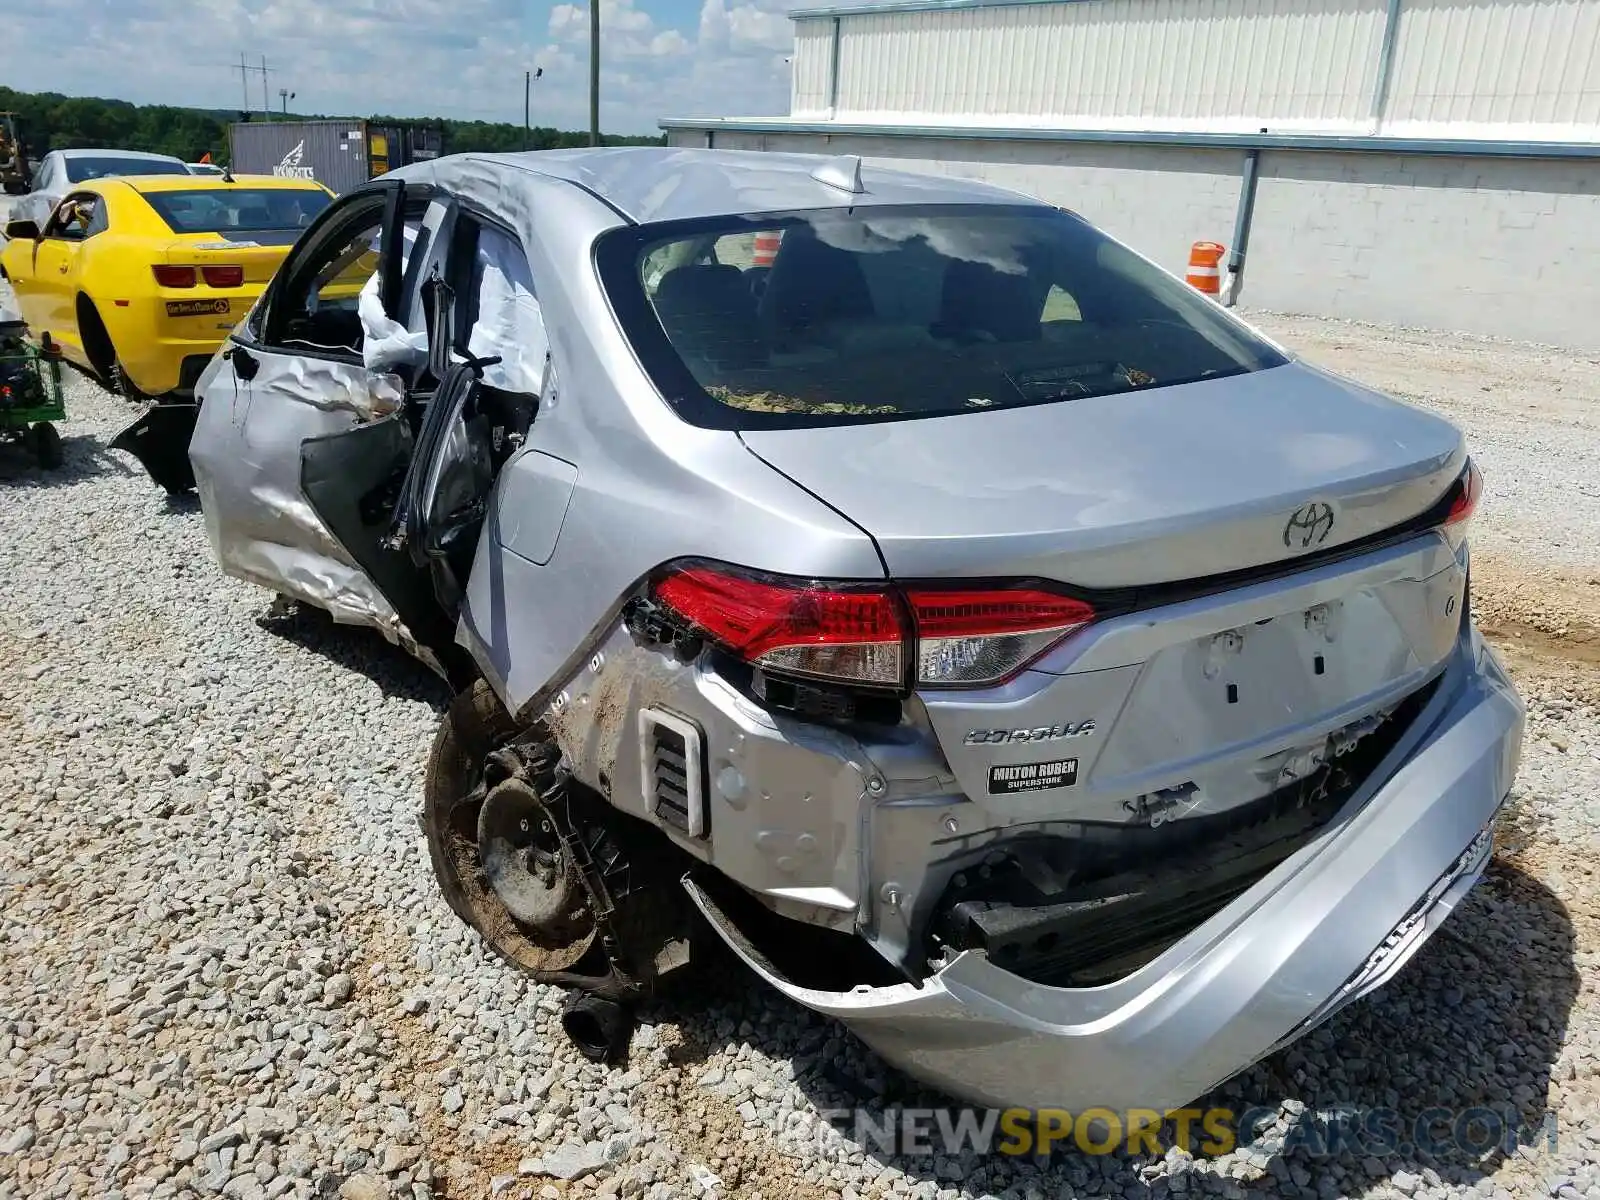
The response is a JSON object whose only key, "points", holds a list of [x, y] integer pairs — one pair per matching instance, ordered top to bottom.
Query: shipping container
{"points": [[340, 155]]}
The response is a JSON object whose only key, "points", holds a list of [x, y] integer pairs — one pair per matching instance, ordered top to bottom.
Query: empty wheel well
{"points": [[96, 341]]}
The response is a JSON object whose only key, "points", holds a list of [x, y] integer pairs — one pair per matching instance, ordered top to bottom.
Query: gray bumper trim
{"points": [[1333, 922]]}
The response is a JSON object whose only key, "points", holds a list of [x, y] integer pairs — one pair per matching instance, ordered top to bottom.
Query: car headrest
{"points": [[812, 283], [980, 302], [709, 314]]}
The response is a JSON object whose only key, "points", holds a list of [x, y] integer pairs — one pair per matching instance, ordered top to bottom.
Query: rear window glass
{"points": [[79, 169], [221, 210], [886, 313]]}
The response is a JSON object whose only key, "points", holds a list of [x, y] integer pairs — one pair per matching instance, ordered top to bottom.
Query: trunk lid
{"points": [[259, 252], [1138, 488], [1197, 701]]}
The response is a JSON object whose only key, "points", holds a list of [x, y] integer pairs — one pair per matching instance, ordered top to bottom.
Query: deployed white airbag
{"points": [[510, 323], [386, 343]]}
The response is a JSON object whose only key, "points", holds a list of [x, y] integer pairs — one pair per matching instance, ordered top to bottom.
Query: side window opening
{"points": [[76, 218], [332, 303], [318, 307]]}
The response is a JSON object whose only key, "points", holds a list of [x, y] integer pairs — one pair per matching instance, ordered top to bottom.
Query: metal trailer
{"points": [[339, 154]]}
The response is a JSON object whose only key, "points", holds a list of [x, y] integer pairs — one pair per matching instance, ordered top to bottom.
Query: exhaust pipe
{"points": [[599, 1028]]}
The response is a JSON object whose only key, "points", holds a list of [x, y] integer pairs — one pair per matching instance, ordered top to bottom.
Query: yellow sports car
{"points": [[140, 279]]}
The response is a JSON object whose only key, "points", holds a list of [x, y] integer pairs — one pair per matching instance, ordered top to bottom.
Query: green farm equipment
{"points": [[15, 174], [30, 395]]}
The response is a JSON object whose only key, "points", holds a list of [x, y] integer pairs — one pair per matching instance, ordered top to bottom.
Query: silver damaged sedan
{"points": [[996, 644]]}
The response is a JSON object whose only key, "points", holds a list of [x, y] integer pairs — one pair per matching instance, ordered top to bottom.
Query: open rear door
{"points": [[353, 479], [446, 491], [409, 510]]}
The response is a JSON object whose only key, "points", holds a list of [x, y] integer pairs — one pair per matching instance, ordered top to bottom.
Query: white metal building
{"points": [[1428, 162]]}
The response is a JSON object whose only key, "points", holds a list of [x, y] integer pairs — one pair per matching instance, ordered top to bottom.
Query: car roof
{"points": [[141, 155], [666, 183]]}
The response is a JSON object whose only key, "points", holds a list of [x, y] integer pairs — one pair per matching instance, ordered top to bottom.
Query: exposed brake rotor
{"points": [[524, 864]]}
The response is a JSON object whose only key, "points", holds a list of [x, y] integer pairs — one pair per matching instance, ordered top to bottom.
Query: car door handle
{"points": [[63, 270]]}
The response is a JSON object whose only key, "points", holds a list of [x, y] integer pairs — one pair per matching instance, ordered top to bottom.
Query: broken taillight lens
{"points": [[1464, 495], [804, 628], [866, 635], [974, 637]]}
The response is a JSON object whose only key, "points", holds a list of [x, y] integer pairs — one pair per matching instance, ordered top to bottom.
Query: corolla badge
{"points": [[1309, 525], [1042, 733]]}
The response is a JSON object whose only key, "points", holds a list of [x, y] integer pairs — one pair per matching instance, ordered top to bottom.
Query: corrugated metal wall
{"points": [[1111, 63], [1528, 67], [811, 68]]}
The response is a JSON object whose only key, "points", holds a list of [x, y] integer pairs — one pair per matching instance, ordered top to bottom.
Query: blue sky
{"points": [[458, 58]]}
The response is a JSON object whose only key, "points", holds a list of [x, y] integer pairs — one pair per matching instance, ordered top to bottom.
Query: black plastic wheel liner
{"points": [[159, 439]]}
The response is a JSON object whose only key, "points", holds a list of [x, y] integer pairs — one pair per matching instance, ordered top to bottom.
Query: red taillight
{"points": [[174, 277], [223, 277], [1467, 490], [808, 629], [968, 637]]}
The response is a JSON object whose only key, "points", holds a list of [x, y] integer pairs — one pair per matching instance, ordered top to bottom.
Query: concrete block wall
{"points": [[1158, 200], [1507, 247]]}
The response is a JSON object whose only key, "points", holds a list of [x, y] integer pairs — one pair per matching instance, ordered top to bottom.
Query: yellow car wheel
{"points": [[102, 353]]}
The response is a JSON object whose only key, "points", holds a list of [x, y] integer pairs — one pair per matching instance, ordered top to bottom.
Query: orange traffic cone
{"points": [[766, 249], [1205, 267]]}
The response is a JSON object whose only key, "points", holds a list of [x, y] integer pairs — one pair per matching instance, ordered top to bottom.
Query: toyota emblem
{"points": [[1309, 525]]}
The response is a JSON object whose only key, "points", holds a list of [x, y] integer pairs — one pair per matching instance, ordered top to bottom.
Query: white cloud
{"points": [[618, 19], [568, 21], [713, 23], [755, 28], [669, 42], [453, 58]]}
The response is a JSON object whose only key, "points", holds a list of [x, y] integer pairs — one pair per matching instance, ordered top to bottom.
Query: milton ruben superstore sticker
{"points": [[1033, 777]]}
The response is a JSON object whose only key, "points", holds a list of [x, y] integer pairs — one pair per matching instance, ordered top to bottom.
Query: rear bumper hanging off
{"points": [[1337, 919]]}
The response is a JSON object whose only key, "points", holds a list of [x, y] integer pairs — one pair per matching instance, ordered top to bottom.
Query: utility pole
{"points": [[245, 71], [594, 72], [285, 95], [527, 105]]}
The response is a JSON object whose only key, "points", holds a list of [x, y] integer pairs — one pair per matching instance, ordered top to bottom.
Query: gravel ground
{"points": [[1532, 414], [225, 967]]}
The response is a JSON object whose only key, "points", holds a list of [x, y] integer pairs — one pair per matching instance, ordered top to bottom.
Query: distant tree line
{"points": [[48, 121]]}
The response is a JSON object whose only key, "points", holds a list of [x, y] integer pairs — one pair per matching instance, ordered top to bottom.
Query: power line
{"points": [[245, 71]]}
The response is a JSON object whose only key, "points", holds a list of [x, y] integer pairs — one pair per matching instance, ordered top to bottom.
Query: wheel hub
{"points": [[523, 861]]}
